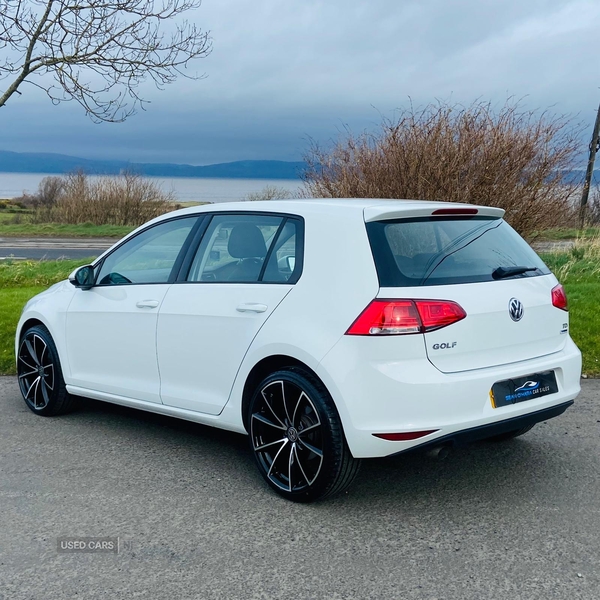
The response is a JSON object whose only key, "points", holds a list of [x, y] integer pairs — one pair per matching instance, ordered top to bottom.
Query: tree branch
{"points": [[98, 52]]}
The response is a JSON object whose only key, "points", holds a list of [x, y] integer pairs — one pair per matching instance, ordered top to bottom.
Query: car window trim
{"points": [[200, 218], [195, 245], [184, 249], [192, 249], [270, 250]]}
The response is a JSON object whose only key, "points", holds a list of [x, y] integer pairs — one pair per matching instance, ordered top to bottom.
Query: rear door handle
{"points": [[147, 304], [252, 307]]}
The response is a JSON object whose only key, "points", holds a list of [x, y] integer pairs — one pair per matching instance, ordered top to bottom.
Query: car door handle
{"points": [[147, 304], [252, 307]]}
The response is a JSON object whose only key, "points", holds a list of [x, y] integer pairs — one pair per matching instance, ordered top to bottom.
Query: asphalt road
{"points": [[53, 248], [48, 253], [519, 520]]}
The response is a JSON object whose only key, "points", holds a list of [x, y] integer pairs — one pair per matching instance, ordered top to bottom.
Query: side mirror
{"points": [[291, 262], [83, 277]]}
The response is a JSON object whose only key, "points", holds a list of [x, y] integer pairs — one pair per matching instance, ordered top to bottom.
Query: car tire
{"points": [[40, 375], [510, 435], [297, 438]]}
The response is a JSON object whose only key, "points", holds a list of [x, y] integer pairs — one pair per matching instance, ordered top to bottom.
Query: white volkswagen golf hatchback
{"points": [[328, 330]]}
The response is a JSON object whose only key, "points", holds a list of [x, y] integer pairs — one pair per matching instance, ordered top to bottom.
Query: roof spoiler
{"points": [[381, 212]]}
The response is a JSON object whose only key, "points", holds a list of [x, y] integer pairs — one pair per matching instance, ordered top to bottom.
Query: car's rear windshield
{"points": [[442, 251]]}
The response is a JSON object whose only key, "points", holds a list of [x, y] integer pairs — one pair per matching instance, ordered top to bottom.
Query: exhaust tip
{"points": [[439, 452]]}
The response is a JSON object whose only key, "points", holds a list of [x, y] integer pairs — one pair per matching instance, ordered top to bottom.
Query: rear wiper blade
{"points": [[502, 272]]}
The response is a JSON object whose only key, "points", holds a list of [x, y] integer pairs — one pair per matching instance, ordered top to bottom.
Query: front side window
{"points": [[148, 257]]}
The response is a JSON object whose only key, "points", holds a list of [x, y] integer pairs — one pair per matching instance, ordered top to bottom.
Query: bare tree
{"points": [[97, 52]]}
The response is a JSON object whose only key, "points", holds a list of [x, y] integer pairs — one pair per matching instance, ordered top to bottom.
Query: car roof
{"points": [[372, 208]]}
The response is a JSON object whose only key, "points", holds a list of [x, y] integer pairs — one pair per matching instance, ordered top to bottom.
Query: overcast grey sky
{"points": [[283, 70]]}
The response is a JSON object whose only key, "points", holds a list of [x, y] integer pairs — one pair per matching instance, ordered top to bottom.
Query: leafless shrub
{"points": [[509, 158], [49, 190], [269, 192], [25, 199], [124, 200]]}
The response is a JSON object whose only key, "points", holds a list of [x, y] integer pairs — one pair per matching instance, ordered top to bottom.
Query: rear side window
{"points": [[234, 248], [249, 248], [442, 251]]}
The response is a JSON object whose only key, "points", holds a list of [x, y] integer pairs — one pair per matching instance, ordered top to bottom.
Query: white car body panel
{"points": [[50, 308], [204, 331], [111, 342], [153, 359]]}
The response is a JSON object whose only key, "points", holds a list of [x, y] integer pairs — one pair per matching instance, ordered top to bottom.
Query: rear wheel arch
{"points": [[263, 369]]}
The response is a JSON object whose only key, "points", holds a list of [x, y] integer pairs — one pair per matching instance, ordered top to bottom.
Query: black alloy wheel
{"points": [[39, 374], [297, 438]]}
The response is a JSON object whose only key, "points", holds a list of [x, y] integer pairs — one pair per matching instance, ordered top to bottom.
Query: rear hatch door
{"points": [[475, 262]]}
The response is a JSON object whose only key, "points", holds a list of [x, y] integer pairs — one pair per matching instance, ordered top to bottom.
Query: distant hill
{"points": [[29, 162]]}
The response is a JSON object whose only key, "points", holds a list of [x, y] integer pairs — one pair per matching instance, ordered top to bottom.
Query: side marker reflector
{"points": [[405, 436]]}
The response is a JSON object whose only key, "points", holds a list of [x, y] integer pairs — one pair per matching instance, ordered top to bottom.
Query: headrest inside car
{"points": [[246, 241]]}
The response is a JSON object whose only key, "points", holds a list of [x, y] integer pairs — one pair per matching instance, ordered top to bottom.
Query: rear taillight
{"points": [[559, 298], [439, 313], [401, 317]]}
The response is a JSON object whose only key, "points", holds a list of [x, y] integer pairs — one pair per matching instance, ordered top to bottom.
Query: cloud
{"points": [[281, 71]]}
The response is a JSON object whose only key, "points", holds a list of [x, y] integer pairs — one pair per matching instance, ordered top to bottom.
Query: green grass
{"points": [[6, 217], [85, 230], [565, 233], [579, 272], [30, 273], [20, 281], [12, 301], [585, 322]]}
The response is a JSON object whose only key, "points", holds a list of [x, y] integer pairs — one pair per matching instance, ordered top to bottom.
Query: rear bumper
{"points": [[374, 394], [476, 434]]}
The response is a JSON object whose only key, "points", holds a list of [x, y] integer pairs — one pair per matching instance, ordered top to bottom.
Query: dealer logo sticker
{"points": [[529, 385]]}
